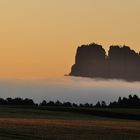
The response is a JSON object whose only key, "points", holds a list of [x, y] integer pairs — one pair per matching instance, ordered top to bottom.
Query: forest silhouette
{"points": [[121, 62], [133, 101]]}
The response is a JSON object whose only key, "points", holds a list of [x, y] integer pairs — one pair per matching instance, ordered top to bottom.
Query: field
{"points": [[42, 124]]}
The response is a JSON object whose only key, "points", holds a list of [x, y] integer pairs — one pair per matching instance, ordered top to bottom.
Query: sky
{"points": [[39, 38]]}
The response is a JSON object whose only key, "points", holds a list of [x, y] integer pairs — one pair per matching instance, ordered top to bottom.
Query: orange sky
{"points": [[38, 38]]}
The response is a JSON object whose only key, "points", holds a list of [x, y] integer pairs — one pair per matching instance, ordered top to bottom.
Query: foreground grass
{"points": [[36, 124]]}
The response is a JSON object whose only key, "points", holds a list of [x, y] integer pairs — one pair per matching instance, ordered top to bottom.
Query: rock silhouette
{"points": [[121, 62]]}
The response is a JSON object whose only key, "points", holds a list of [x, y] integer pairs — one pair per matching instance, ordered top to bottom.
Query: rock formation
{"points": [[121, 63]]}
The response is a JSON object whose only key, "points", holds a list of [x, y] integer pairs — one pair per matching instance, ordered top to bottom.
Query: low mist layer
{"points": [[78, 90]]}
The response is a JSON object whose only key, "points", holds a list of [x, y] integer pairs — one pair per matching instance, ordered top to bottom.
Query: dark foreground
{"points": [[42, 124]]}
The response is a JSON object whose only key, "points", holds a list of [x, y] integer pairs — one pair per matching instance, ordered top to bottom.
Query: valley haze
{"points": [[72, 89]]}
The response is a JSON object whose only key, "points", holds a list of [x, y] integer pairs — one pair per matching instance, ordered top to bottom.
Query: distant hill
{"points": [[121, 62]]}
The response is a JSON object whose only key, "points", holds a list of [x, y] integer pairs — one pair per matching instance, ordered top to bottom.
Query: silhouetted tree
{"points": [[3, 102], [130, 102], [44, 103], [50, 103], [58, 103], [67, 104], [103, 104], [74, 105], [98, 105]]}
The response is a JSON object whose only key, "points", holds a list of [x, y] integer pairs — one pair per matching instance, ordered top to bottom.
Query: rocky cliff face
{"points": [[121, 63]]}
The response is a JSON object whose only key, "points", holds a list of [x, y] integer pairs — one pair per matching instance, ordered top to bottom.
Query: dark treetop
{"points": [[121, 62]]}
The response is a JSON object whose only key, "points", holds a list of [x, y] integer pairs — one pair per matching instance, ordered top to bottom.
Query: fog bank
{"points": [[78, 90]]}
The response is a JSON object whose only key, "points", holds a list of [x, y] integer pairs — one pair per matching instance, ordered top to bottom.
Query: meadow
{"points": [[46, 124]]}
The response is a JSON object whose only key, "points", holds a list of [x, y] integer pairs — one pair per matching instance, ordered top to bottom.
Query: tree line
{"points": [[132, 101]]}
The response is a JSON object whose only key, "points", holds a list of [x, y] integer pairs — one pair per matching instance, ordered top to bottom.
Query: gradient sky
{"points": [[38, 38]]}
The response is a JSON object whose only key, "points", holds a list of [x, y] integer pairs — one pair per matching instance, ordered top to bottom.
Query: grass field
{"points": [[37, 124]]}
